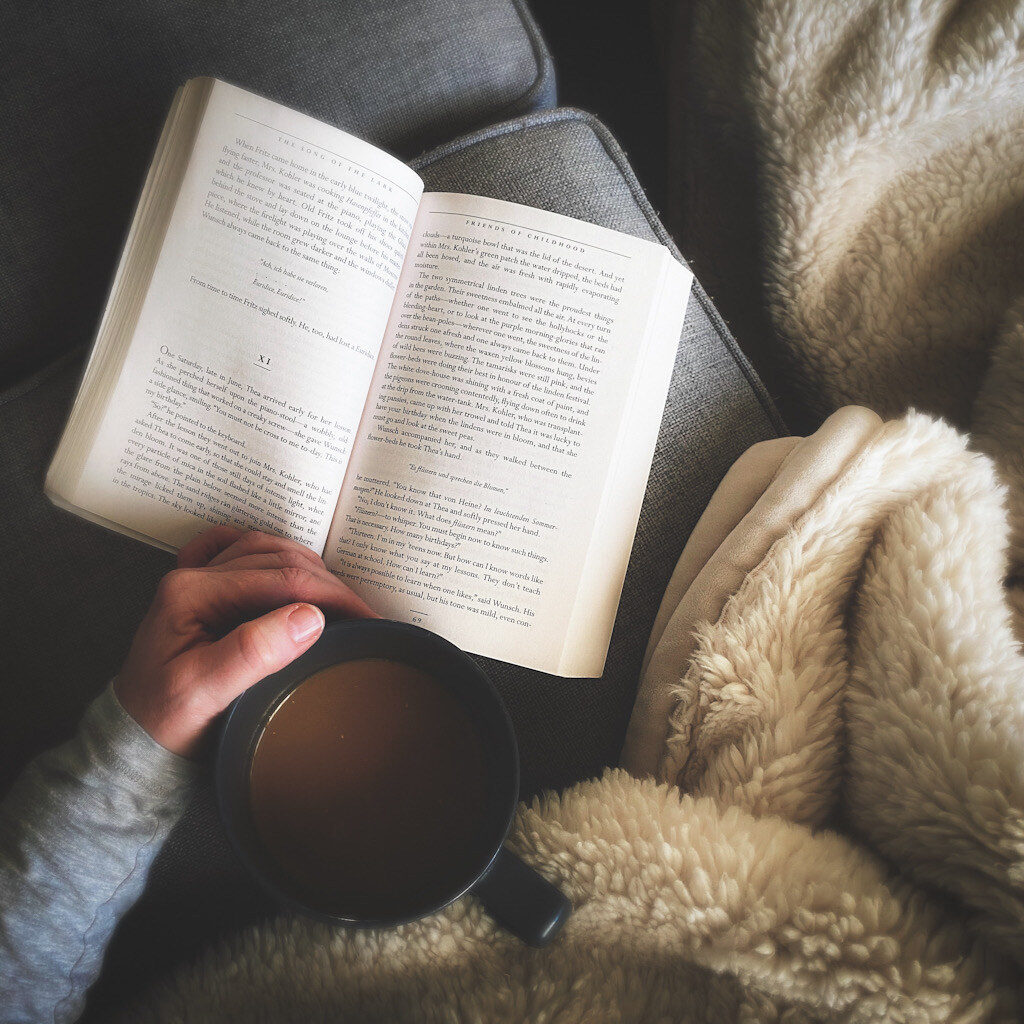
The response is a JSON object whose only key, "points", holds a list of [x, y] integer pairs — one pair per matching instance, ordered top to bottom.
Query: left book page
{"points": [[235, 355]]}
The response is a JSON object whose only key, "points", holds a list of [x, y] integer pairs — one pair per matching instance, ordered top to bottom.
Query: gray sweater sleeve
{"points": [[78, 833]]}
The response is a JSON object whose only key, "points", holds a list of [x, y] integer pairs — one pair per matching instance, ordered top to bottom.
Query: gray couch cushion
{"points": [[86, 87], [72, 592]]}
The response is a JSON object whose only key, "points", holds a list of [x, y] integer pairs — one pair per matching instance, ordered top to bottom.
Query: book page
{"points": [[248, 370], [511, 412]]}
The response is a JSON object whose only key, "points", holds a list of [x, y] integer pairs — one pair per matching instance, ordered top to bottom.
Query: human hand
{"points": [[238, 607]]}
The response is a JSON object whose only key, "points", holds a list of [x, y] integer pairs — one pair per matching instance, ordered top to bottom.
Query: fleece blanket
{"points": [[847, 181], [820, 813]]}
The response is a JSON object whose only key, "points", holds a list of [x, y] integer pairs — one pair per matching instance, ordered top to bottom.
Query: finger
{"points": [[255, 542], [199, 550], [271, 560], [283, 560], [220, 598], [254, 650]]}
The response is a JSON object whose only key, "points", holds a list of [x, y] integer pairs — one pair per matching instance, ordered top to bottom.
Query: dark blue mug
{"points": [[512, 892]]}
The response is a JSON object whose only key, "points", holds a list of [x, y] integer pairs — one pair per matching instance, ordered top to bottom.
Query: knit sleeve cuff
{"points": [[137, 761]]}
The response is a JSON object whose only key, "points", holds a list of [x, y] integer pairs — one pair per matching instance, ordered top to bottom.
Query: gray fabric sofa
{"points": [[72, 593]]}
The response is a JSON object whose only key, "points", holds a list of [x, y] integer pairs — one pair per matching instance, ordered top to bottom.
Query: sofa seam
{"points": [[541, 58], [603, 134], [25, 385]]}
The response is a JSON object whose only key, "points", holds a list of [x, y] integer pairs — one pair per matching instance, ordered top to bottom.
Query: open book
{"points": [[454, 399]]}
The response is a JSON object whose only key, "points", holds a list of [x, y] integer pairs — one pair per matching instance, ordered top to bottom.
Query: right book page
{"points": [[496, 478]]}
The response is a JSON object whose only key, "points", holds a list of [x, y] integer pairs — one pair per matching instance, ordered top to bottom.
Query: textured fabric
{"points": [[87, 85], [884, 144], [747, 479], [764, 493], [93, 585], [71, 594], [77, 836], [837, 836]]}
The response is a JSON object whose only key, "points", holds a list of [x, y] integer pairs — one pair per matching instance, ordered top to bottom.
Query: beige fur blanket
{"points": [[847, 180], [833, 702]]}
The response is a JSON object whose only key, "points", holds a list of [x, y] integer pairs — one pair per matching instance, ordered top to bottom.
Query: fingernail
{"points": [[305, 621]]}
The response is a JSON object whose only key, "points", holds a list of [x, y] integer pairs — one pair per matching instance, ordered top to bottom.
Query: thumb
{"points": [[257, 648]]}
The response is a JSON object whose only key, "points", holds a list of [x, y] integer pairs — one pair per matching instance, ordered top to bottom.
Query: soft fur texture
{"points": [[884, 142], [837, 832]]}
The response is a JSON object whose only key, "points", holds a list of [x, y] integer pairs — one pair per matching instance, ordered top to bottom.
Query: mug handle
{"points": [[519, 899]]}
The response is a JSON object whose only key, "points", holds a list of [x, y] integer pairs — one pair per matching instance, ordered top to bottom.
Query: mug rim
{"points": [[222, 766]]}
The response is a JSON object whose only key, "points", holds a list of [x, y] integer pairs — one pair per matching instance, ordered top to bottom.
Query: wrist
{"points": [[168, 721], [128, 750]]}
